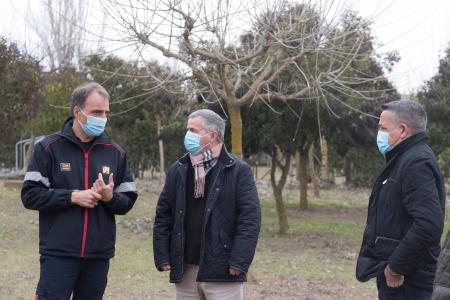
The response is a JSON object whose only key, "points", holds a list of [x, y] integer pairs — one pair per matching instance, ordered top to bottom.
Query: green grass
{"points": [[315, 260]]}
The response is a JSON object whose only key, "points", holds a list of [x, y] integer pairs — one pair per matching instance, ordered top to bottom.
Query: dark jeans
{"points": [[60, 276], [404, 292]]}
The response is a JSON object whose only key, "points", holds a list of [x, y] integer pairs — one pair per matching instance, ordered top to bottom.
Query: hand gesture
{"points": [[105, 190], [86, 198]]}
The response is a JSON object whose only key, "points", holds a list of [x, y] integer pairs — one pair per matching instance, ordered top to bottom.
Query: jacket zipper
{"points": [[86, 187], [86, 211]]}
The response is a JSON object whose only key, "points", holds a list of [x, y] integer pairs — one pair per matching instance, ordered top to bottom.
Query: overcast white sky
{"points": [[418, 30]]}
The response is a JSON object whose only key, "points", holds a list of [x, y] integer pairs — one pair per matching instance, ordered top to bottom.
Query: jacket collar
{"points": [[68, 133], [417, 139], [226, 159]]}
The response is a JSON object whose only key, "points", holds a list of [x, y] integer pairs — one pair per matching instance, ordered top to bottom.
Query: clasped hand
{"points": [[100, 191]]}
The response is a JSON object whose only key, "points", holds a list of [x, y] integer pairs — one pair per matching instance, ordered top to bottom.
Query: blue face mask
{"points": [[94, 126], [192, 142], [383, 142]]}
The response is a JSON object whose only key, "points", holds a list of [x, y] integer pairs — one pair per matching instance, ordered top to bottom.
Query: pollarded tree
{"points": [[280, 37]]}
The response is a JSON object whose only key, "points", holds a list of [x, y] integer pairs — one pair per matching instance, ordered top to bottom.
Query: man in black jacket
{"points": [[78, 180], [207, 217], [405, 219]]}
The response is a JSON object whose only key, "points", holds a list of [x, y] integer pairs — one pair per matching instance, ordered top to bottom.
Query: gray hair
{"points": [[80, 94], [409, 112], [211, 121]]}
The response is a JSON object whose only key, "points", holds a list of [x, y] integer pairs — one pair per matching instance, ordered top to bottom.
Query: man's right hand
{"points": [[86, 198], [165, 267], [393, 280]]}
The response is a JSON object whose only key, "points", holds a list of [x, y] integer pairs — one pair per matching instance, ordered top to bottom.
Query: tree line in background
{"points": [[300, 93]]}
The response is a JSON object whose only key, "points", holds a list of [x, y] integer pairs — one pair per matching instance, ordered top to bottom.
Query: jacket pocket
{"points": [[101, 231], [65, 233], [225, 240], [384, 247], [368, 268]]}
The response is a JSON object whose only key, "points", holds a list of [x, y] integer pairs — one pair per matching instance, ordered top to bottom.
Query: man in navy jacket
{"points": [[78, 179], [208, 216], [405, 219]]}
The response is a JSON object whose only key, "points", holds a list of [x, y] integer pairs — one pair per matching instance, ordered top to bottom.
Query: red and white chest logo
{"points": [[105, 170]]}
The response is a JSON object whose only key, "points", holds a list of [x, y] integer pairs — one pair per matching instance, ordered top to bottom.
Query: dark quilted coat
{"points": [[405, 216], [231, 222]]}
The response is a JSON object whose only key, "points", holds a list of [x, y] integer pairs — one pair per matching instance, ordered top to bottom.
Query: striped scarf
{"points": [[202, 163]]}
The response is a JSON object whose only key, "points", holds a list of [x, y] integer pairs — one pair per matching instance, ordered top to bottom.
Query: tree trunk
{"points": [[234, 112], [297, 165], [162, 167], [347, 170], [312, 171], [324, 171], [141, 176], [332, 176], [303, 180], [278, 189], [281, 211]]}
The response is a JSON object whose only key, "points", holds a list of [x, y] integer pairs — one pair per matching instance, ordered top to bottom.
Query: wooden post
{"points": [[161, 150]]}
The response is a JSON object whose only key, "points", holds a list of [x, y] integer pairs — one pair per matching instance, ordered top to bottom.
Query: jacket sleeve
{"points": [[37, 192], [124, 193], [421, 200], [248, 221], [162, 228]]}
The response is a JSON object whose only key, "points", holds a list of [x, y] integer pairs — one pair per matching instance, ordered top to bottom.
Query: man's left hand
{"points": [[105, 190], [234, 271]]}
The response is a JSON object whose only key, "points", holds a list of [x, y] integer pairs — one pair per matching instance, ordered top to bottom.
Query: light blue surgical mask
{"points": [[94, 126], [192, 142], [383, 142]]}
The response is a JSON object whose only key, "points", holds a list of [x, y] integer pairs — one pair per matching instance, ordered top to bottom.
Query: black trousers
{"points": [[62, 277]]}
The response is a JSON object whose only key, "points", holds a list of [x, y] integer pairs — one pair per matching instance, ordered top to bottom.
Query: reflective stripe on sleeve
{"points": [[37, 177], [126, 187]]}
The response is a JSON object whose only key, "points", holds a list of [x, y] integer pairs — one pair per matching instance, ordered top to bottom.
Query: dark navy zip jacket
{"points": [[59, 166]]}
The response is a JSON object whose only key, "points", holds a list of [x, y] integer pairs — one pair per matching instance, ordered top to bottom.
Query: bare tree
{"points": [[61, 27], [240, 52]]}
